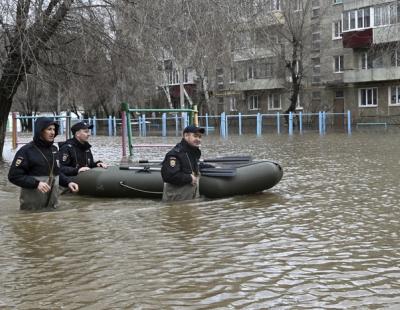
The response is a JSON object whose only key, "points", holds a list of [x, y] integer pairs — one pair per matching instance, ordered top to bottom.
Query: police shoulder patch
{"points": [[65, 157], [18, 161], [172, 161]]}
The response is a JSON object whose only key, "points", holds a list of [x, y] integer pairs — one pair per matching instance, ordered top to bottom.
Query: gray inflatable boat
{"points": [[229, 176]]}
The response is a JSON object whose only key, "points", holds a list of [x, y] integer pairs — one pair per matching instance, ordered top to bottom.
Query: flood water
{"points": [[326, 237]]}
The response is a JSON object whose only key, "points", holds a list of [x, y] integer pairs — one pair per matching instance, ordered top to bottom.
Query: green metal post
{"points": [[125, 107]]}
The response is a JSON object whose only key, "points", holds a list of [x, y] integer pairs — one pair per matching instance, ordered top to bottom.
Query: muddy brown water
{"points": [[326, 237]]}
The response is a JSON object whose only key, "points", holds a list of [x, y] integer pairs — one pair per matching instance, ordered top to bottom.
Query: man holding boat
{"points": [[75, 154], [180, 168]]}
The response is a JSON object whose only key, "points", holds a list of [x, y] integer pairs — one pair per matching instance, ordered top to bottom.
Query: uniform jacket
{"points": [[75, 155], [37, 158], [180, 163]]}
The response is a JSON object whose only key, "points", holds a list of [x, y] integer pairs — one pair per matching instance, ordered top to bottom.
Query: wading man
{"points": [[75, 154], [180, 168], [35, 169]]}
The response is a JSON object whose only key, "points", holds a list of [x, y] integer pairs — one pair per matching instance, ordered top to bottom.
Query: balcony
{"points": [[386, 34], [358, 38], [252, 53], [371, 75], [257, 84]]}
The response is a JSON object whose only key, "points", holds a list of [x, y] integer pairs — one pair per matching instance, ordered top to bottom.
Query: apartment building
{"points": [[352, 62], [372, 72]]}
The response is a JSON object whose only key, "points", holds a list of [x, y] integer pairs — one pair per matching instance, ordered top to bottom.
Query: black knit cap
{"points": [[79, 126]]}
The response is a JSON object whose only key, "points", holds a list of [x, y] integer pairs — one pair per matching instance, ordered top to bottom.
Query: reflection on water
{"points": [[325, 237]]}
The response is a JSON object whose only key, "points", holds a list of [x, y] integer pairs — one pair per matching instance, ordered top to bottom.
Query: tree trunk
{"points": [[23, 51], [5, 108]]}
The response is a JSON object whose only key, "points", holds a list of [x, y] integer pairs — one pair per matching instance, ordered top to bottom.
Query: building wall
{"points": [[323, 88]]}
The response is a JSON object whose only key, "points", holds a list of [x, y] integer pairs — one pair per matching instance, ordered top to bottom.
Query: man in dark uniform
{"points": [[75, 153], [180, 168], [35, 169]]}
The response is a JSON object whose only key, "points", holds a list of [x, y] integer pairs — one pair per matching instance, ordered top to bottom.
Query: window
{"points": [[337, 1], [273, 5], [315, 13], [387, 14], [357, 19], [337, 30], [316, 40], [395, 57], [369, 60], [366, 61], [338, 64], [265, 68], [316, 70], [250, 72], [232, 77], [220, 78], [394, 93], [339, 94], [368, 97], [253, 102], [274, 102], [232, 103]]}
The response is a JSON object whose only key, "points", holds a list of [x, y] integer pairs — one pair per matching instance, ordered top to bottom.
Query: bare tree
{"points": [[26, 29]]}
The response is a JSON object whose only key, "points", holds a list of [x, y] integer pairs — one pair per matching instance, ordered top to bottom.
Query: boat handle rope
{"points": [[139, 190]]}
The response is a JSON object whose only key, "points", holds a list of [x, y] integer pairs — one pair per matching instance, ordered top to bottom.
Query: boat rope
{"points": [[137, 189]]}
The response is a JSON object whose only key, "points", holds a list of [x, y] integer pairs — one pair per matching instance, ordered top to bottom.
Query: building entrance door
{"points": [[338, 107]]}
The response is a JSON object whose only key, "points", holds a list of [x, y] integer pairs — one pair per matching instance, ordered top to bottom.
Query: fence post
{"points": [[185, 122], [278, 122], [301, 122], [320, 122], [324, 122], [349, 122], [240, 123], [290, 123], [207, 124], [33, 125], [68, 125], [115, 125], [164, 125], [176, 125], [226, 125], [94, 126], [109, 126], [258, 127], [222, 129], [14, 130], [144, 131], [123, 132]]}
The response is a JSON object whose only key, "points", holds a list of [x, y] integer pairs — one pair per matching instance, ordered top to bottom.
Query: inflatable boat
{"points": [[220, 177]]}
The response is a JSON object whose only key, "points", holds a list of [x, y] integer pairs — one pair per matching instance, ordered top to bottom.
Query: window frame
{"points": [[354, 19], [337, 31], [338, 60], [390, 88], [374, 97], [271, 101], [232, 103], [253, 103]]}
